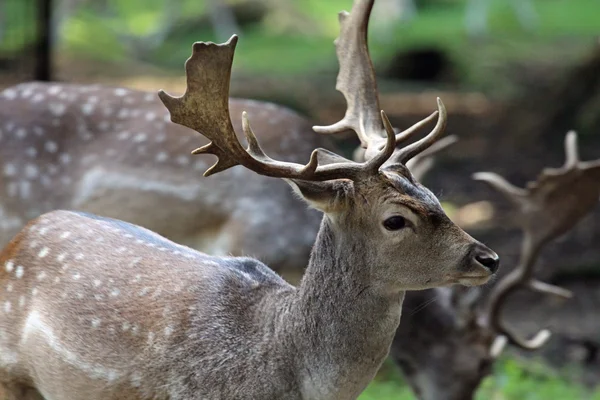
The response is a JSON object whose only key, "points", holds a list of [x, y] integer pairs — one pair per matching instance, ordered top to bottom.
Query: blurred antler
{"points": [[356, 81], [204, 108], [420, 164], [548, 208]]}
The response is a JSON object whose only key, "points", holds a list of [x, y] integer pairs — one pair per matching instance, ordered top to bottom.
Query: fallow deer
{"points": [[101, 309], [441, 326], [470, 338]]}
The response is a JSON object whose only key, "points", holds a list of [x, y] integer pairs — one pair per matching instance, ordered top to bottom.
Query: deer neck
{"points": [[346, 324]]}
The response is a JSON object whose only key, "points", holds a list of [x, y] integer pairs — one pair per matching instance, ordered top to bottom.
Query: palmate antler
{"points": [[356, 81], [204, 108], [548, 208]]}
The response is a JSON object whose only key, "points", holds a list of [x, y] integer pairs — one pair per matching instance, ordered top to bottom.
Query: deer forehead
{"points": [[397, 188]]}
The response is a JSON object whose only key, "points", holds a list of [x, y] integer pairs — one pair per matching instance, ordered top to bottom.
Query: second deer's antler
{"points": [[356, 81], [204, 108], [548, 208]]}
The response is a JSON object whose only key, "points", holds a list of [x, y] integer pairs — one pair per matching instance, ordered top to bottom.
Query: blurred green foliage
{"points": [[270, 48], [512, 380]]}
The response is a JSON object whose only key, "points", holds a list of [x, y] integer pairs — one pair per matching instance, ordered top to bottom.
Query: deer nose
{"points": [[488, 259]]}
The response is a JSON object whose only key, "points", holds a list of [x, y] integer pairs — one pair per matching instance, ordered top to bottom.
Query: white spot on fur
{"points": [[54, 90], [120, 92], [10, 94], [87, 108], [57, 109], [123, 113], [21, 133], [123, 135], [139, 138], [51, 146], [31, 151], [161, 156], [64, 158], [183, 160], [10, 169], [31, 171], [24, 189], [65, 235], [43, 252], [79, 256], [61, 257], [9, 266], [19, 272], [41, 276], [76, 276], [97, 282], [9, 287], [115, 292], [21, 301], [7, 306], [125, 326], [169, 330]]}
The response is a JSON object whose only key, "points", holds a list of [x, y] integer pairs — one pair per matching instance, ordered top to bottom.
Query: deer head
{"points": [[381, 204], [470, 331]]}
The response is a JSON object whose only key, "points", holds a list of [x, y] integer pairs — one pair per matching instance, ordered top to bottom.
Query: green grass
{"points": [[512, 380]]}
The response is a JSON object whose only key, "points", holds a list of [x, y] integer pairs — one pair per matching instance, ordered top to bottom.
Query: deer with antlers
{"points": [[102, 309], [472, 338]]}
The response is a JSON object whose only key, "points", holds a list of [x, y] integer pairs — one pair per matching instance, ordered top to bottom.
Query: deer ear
{"points": [[328, 196]]}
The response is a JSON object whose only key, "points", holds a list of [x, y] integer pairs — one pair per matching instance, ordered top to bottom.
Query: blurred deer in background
{"points": [[113, 152], [190, 325], [454, 331]]}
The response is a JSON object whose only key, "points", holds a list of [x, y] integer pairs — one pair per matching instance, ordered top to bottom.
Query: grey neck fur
{"points": [[343, 325]]}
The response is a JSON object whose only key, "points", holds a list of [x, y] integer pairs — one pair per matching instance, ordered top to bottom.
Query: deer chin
{"points": [[474, 280]]}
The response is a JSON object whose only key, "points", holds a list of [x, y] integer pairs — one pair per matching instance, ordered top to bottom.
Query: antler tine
{"points": [[356, 77], [204, 108], [571, 150], [405, 154], [511, 192], [567, 194], [520, 278]]}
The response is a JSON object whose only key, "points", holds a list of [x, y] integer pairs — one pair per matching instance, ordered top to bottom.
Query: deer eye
{"points": [[395, 223]]}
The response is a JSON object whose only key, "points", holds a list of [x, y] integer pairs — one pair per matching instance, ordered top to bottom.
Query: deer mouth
{"points": [[474, 280]]}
